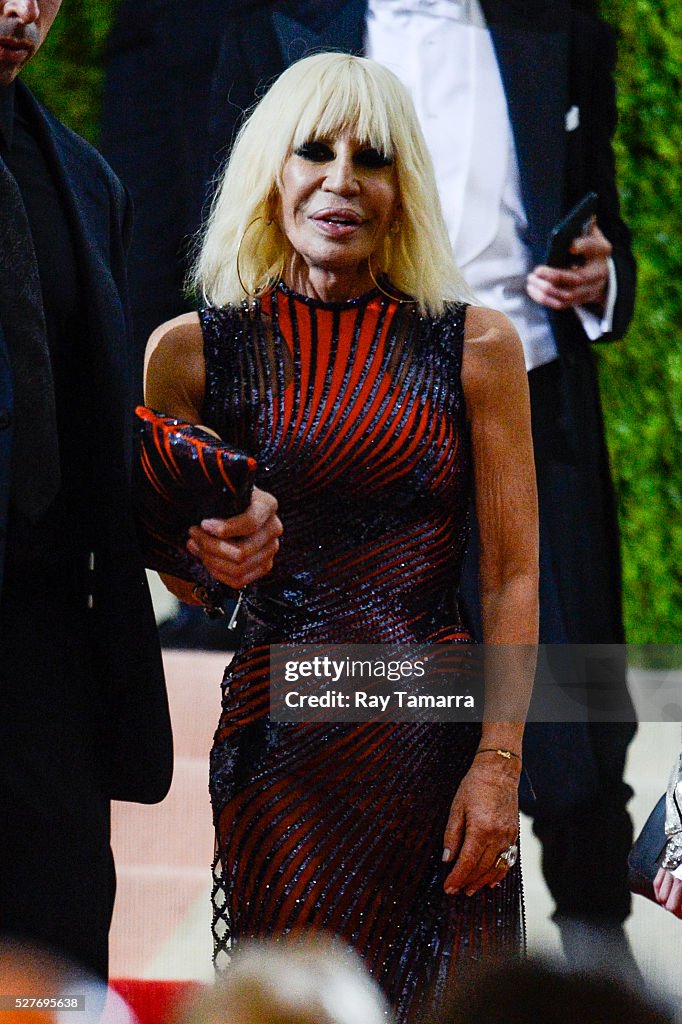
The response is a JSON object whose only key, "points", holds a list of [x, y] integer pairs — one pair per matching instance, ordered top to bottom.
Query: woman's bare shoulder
{"points": [[179, 338], [493, 354], [175, 371]]}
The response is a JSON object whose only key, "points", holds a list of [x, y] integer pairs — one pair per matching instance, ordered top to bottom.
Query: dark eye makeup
{"points": [[316, 152], [321, 152], [372, 157]]}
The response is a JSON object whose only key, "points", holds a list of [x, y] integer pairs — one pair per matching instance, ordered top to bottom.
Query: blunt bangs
{"points": [[345, 97]]}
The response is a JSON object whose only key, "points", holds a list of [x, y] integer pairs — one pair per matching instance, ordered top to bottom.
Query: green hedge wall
{"points": [[67, 74], [641, 377]]}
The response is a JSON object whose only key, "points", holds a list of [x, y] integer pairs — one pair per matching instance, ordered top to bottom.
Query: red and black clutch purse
{"points": [[183, 474]]}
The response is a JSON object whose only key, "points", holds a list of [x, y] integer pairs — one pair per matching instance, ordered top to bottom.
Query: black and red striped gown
{"points": [[355, 413]]}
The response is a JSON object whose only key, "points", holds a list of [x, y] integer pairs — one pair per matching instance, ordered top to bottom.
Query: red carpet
{"points": [[155, 1002]]}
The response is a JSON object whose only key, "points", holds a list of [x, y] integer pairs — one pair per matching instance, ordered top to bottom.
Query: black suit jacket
{"points": [[137, 758]]}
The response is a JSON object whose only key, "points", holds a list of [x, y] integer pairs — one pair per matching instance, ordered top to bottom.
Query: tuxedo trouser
{"points": [[576, 768], [57, 880]]}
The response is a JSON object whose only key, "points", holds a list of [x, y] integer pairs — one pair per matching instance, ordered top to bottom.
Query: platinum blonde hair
{"points": [[321, 96], [292, 981]]}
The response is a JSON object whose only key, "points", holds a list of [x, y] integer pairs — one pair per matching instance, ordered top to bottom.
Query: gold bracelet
{"points": [[506, 754]]}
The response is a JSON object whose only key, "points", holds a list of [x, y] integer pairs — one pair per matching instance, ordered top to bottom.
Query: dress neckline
{"points": [[308, 300]]}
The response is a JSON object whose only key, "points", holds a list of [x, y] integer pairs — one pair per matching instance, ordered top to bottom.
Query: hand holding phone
{"points": [[577, 221], [570, 279]]}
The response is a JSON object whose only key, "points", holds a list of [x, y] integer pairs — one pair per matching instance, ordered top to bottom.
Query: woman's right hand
{"points": [[242, 549]]}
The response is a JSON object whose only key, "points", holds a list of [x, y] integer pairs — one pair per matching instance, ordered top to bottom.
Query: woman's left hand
{"points": [[483, 822], [668, 890]]}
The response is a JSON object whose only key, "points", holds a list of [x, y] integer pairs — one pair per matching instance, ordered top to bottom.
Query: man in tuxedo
{"points": [[516, 98], [84, 710]]}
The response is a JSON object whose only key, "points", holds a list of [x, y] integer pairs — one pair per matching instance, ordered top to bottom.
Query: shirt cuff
{"points": [[595, 325]]}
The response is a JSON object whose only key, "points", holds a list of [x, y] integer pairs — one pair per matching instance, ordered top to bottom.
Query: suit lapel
{"points": [[343, 28], [533, 64], [83, 204], [104, 318], [37, 475]]}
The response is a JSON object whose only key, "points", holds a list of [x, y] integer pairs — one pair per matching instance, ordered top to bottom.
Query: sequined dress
{"points": [[355, 413]]}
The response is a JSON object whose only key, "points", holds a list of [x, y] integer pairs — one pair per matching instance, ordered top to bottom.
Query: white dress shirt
{"points": [[442, 51]]}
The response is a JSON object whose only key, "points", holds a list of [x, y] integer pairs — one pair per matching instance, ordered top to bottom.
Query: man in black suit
{"points": [[555, 66], [84, 710]]}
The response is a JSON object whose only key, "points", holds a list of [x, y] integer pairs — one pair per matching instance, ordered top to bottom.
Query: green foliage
{"points": [[67, 73], [642, 377]]}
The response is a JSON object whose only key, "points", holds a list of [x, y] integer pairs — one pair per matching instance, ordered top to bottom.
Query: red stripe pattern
{"points": [[355, 415], [183, 475]]}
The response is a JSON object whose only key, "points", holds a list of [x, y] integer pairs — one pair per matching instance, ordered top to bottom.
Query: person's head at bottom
{"points": [[329, 188], [293, 980], [38, 986], [539, 992]]}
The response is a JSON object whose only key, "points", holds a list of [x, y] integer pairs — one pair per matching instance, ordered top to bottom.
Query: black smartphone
{"points": [[576, 222]]}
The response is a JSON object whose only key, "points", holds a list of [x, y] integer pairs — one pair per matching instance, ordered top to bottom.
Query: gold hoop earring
{"points": [[273, 282], [393, 298]]}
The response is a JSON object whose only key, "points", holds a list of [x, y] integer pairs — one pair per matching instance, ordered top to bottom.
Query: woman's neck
{"points": [[328, 285]]}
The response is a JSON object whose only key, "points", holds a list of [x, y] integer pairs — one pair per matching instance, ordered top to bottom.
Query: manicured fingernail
{"points": [[211, 525], [192, 547], [447, 854]]}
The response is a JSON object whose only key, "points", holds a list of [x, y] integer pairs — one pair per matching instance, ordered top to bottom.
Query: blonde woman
{"points": [[337, 347]]}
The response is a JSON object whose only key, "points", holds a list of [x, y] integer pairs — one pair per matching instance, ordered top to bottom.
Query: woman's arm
{"points": [[174, 369], [235, 551], [484, 815]]}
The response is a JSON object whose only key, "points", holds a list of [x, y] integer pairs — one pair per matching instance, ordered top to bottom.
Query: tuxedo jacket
{"points": [[137, 754]]}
